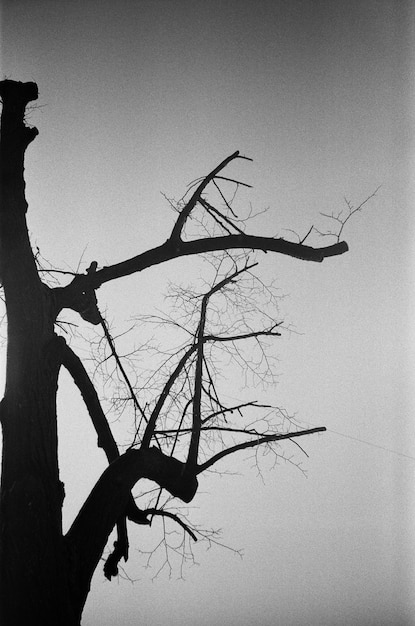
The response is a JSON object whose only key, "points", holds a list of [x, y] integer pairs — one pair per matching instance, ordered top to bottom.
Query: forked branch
{"points": [[195, 198], [342, 219]]}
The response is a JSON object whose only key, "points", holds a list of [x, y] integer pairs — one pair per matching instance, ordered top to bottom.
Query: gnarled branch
{"points": [[88, 535]]}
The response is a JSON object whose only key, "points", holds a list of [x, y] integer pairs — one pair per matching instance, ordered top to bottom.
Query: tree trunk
{"points": [[33, 566], [34, 585]]}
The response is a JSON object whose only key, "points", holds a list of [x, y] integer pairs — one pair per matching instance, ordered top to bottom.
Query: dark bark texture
{"points": [[32, 580]]}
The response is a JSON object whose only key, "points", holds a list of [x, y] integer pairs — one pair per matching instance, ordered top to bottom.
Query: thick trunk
{"points": [[33, 564]]}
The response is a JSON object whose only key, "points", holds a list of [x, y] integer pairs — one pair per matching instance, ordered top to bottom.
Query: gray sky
{"points": [[140, 98]]}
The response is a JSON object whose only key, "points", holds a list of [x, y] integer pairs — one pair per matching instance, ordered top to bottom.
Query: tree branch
{"points": [[351, 211], [185, 212], [218, 215], [169, 250], [77, 295], [270, 332], [114, 353], [75, 367], [238, 408], [231, 409], [148, 433], [106, 441], [251, 444], [191, 462], [174, 517], [88, 535]]}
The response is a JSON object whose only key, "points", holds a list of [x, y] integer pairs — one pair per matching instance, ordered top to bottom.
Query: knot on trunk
{"points": [[80, 296]]}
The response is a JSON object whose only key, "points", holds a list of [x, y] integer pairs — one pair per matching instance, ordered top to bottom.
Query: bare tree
{"points": [[186, 429]]}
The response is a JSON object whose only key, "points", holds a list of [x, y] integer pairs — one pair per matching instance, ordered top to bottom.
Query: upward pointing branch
{"points": [[184, 214], [148, 433], [192, 456]]}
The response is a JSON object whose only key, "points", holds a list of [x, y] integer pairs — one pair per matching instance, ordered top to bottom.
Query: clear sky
{"points": [[141, 97]]}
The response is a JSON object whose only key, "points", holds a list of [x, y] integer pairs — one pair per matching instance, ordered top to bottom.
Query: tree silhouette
{"points": [[45, 575]]}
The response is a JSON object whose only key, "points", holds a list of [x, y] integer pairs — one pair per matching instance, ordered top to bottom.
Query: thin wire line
{"points": [[335, 432], [369, 443]]}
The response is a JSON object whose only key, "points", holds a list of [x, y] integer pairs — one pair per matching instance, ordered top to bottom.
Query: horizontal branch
{"points": [[171, 250], [168, 251], [255, 333], [238, 408], [226, 429], [257, 442]]}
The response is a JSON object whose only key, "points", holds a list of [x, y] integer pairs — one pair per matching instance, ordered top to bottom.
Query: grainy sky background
{"points": [[142, 97]]}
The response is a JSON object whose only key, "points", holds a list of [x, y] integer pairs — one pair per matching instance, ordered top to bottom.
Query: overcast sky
{"points": [[139, 98]]}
